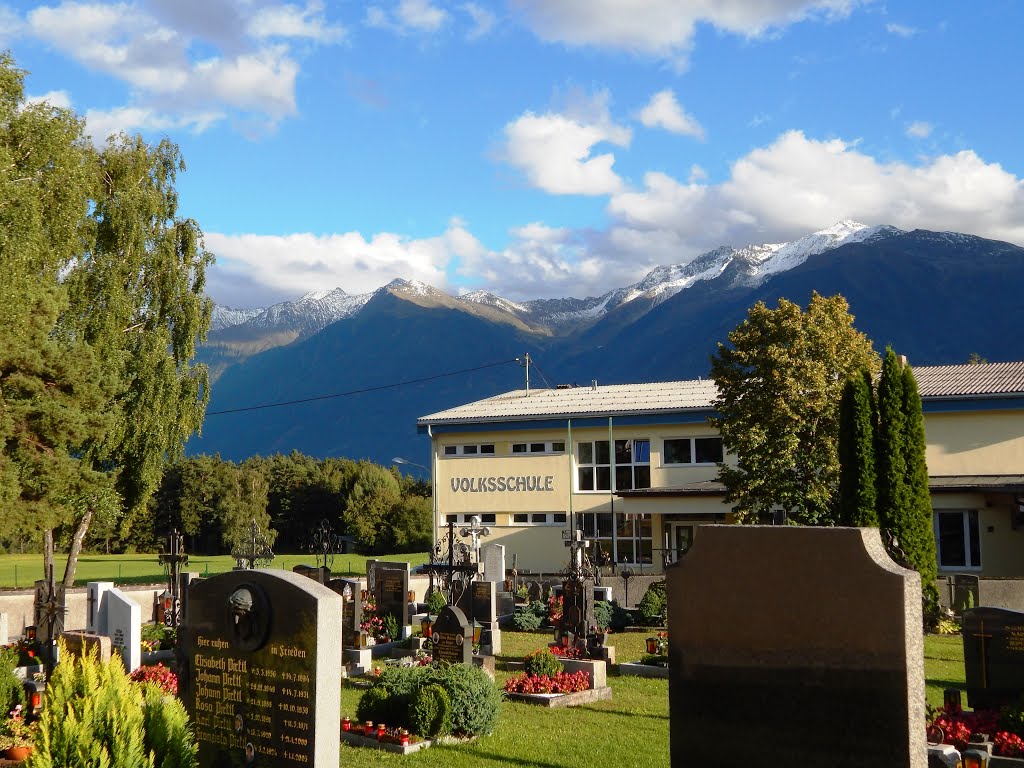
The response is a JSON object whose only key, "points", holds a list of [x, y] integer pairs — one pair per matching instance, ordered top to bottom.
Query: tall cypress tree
{"points": [[891, 456], [857, 497], [917, 539]]}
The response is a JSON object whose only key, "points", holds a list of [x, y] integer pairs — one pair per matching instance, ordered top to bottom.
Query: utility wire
{"points": [[541, 373], [360, 391]]}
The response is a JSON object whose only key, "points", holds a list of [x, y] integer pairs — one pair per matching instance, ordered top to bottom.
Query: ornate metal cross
{"points": [[324, 545], [255, 551], [173, 558]]}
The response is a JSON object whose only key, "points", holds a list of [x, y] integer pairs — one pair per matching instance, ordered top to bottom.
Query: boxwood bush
{"points": [[652, 604], [542, 662], [474, 699], [431, 711]]}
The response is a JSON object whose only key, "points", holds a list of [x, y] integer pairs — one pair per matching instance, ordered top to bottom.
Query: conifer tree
{"points": [[857, 496], [893, 506], [917, 538]]}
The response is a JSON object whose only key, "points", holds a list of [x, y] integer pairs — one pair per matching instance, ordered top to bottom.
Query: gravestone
{"points": [[494, 562], [321, 574], [966, 589], [534, 591], [391, 593], [505, 603], [48, 606], [96, 606], [577, 607], [352, 610], [485, 611], [124, 627], [815, 630], [452, 637], [83, 644], [993, 656], [262, 681]]}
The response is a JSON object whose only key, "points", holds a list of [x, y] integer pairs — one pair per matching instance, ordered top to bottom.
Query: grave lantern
{"points": [[346, 593], [362, 595], [412, 596], [426, 624], [477, 630], [30, 632], [652, 645], [346, 724], [975, 758]]}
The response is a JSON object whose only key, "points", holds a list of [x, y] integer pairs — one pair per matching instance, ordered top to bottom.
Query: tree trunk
{"points": [[76, 548], [47, 552]]}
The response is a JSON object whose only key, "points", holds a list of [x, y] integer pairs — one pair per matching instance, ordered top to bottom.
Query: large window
{"points": [[557, 446], [692, 450], [594, 465], [956, 536], [624, 538]]}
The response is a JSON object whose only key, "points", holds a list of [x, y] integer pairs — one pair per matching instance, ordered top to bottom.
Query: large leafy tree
{"points": [[94, 250], [780, 379]]}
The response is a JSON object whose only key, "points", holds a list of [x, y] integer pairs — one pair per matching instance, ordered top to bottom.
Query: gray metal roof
{"points": [[991, 379], [934, 382], [606, 400], [991, 483]]}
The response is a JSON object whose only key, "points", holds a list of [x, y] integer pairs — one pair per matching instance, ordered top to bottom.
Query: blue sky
{"points": [[541, 148]]}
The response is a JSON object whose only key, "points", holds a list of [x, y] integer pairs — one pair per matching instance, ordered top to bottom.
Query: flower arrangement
{"points": [[554, 609], [372, 625], [28, 652], [568, 652], [159, 675], [560, 682], [952, 725], [15, 732]]}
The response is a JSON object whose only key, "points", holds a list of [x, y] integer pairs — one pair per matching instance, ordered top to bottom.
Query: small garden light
{"points": [[975, 758]]}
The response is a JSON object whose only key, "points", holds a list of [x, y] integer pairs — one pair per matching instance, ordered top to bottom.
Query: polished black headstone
{"points": [[391, 592], [483, 602], [577, 607], [452, 637], [993, 656], [262, 673]]}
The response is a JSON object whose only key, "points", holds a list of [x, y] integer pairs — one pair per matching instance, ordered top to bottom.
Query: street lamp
{"points": [[400, 460]]}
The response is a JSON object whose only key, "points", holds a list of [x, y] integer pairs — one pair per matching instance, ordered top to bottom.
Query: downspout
{"points": [[433, 480], [572, 485], [611, 489]]}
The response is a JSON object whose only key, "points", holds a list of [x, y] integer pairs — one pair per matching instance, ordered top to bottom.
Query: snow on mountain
{"points": [[748, 266], [225, 317]]}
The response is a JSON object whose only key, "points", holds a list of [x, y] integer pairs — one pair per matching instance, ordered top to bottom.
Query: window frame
{"points": [[547, 448], [469, 450], [693, 451], [612, 466], [970, 539]]}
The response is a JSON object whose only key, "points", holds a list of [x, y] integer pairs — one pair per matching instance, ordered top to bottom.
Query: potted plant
{"points": [[16, 736]]}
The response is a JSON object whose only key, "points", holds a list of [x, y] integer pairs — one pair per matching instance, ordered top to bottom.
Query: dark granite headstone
{"points": [[321, 574], [534, 591], [391, 592], [965, 592], [483, 602], [505, 603], [577, 607], [352, 612], [452, 637], [827, 650], [993, 656], [262, 674]]}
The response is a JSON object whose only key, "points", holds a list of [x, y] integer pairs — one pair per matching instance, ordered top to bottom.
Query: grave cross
{"points": [[475, 531], [323, 545], [254, 551], [172, 559], [454, 566], [51, 609], [980, 636]]}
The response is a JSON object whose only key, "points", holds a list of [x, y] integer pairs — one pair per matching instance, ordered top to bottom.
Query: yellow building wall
{"points": [[975, 443], [1000, 544]]}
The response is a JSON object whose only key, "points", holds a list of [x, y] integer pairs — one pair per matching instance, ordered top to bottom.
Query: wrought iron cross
{"points": [[324, 545], [255, 551], [173, 559], [51, 608]]}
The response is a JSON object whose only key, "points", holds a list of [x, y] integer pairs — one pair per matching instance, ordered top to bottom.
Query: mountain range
{"points": [[936, 297]]}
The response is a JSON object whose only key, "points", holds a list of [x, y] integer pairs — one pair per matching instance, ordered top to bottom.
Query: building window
{"points": [[551, 447], [485, 449], [692, 450], [632, 463], [520, 517], [538, 517], [559, 517], [451, 518], [488, 519], [956, 536]]}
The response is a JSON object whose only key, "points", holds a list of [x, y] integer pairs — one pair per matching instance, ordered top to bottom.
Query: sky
{"points": [[541, 148]]}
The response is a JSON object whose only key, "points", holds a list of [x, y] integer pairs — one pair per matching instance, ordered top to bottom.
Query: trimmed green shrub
{"points": [[436, 602], [652, 604], [603, 614], [621, 618], [525, 620], [390, 627], [542, 662], [11, 692], [475, 699], [376, 705], [431, 712], [168, 734]]}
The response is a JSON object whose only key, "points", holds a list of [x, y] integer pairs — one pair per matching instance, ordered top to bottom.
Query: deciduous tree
{"points": [[780, 379]]}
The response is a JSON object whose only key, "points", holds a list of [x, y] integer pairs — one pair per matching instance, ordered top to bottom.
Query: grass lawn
{"points": [[20, 571], [630, 730]]}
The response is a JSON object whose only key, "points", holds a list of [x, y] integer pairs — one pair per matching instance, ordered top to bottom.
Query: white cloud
{"points": [[408, 17], [483, 20], [286, 21], [663, 28], [902, 30], [188, 61], [59, 99], [664, 111], [101, 124], [919, 130], [554, 150], [797, 185]]}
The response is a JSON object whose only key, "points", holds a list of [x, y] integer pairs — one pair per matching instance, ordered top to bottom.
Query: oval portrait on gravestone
{"points": [[248, 617]]}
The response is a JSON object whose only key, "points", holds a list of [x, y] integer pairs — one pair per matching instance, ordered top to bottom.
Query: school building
{"points": [[635, 466]]}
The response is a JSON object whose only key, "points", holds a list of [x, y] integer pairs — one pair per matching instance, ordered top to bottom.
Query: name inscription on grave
{"points": [[1015, 638], [259, 704]]}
